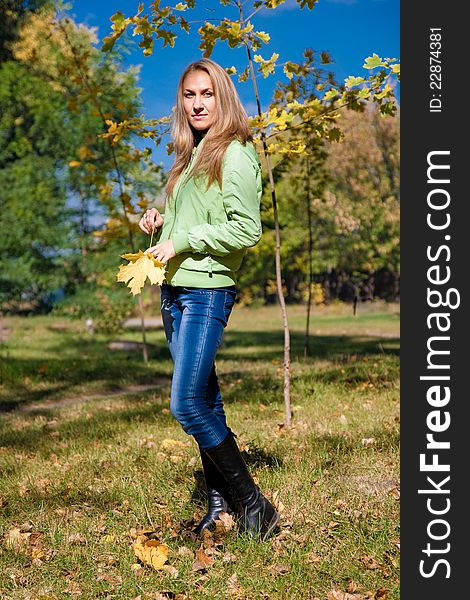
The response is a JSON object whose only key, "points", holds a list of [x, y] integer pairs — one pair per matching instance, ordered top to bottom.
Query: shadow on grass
{"points": [[321, 346], [84, 360], [91, 363], [238, 386], [22, 395], [104, 425], [331, 450]]}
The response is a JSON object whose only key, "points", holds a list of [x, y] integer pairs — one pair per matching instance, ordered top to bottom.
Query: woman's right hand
{"points": [[151, 220]]}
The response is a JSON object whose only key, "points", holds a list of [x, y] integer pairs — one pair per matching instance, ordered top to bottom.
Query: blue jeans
{"points": [[194, 320]]}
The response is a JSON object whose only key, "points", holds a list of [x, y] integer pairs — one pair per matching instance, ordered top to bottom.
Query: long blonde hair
{"points": [[230, 122]]}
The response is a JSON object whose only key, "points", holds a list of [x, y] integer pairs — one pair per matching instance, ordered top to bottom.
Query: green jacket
{"points": [[212, 229]]}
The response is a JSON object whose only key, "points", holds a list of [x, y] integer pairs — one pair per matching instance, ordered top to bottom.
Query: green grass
{"points": [[83, 466]]}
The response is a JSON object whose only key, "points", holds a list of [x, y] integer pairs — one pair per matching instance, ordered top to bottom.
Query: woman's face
{"points": [[199, 100]]}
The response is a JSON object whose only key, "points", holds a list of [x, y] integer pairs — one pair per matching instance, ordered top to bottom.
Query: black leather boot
{"points": [[218, 495], [258, 515]]}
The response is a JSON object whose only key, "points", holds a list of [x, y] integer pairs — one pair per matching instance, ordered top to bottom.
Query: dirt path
{"points": [[4, 333], [68, 401]]}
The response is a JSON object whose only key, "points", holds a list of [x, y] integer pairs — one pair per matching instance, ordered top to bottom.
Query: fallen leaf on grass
{"points": [[140, 267], [172, 445], [42, 486], [23, 490], [278, 505], [225, 521], [150, 534], [109, 538], [77, 539], [17, 540], [23, 540], [185, 551], [151, 552], [38, 554], [228, 556], [312, 558], [391, 559], [110, 560], [203, 560], [370, 562], [138, 569], [279, 569], [172, 571], [110, 578], [19, 579], [232, 585], [352, 586], [73, 588], [380, 594], [340, 595], [162, 596]]}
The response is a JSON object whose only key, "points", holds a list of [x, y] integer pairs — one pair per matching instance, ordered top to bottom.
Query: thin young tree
{"points": [[160, 24]]}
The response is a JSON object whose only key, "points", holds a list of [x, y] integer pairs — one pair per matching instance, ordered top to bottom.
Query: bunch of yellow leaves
{"points": [[140, 267]]}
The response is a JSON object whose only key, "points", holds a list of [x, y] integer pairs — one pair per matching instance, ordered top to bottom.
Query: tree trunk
{"points": [[310, 263], [280, 293]]}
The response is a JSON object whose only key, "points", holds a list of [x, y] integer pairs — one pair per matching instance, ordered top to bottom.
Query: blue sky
{"points": [[350, 30]]}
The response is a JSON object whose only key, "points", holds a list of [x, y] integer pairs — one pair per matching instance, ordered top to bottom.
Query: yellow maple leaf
{"points": [[133, 256], [140, 267], [151, 552]]}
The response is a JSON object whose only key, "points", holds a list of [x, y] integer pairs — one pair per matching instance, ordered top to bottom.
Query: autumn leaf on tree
{"points": [[140, 267]]}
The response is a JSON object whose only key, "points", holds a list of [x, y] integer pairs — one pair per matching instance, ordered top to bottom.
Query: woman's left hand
{"points": [[162, 252]]}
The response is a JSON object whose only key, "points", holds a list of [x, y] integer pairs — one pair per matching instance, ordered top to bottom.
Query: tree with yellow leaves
{"points": [[162, 23], [61, 179]]}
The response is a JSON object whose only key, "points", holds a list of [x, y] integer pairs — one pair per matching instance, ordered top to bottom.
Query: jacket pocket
{"points": [[198, 262], [207, 263]]}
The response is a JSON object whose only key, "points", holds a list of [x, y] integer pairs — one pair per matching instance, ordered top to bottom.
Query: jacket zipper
{"points": [[179, 188], [209, 260]]}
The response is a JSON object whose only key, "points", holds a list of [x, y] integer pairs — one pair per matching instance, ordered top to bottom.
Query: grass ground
{"points": [[91, 459]]}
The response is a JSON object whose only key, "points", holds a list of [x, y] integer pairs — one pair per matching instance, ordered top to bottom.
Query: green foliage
{"points": [[13, 13], [158, 23], [377, 87], [300, 123], [61, 181], [363, 193], [354, 201], [32, 203], [32, 241], [94, 294]]}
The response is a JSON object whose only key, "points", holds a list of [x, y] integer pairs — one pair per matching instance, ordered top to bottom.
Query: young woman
{"points": [[212, 215]]}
